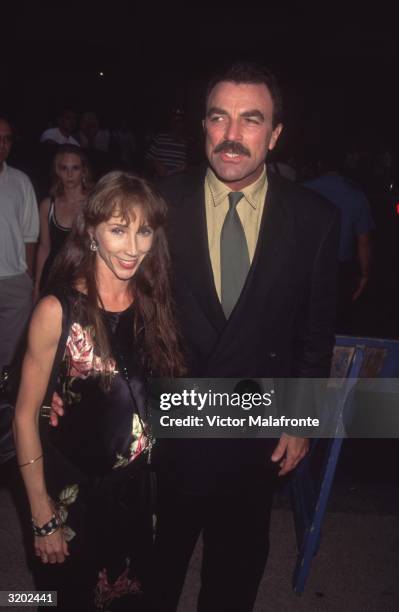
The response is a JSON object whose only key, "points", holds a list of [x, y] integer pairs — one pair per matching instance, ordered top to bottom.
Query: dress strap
{"points": [[51, 216]]}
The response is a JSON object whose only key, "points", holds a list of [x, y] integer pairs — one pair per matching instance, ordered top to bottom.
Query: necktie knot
{"points": [[234, 198]]}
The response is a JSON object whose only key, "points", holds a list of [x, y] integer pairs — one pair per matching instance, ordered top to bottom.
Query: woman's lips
{"points": [[128, 265]]}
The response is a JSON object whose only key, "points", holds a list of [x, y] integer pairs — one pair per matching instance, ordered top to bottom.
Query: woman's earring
{"points": [[93, 245]]}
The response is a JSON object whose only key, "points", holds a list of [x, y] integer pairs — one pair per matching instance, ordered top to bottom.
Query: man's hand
{"points": [[57, 409], [289, 452]]}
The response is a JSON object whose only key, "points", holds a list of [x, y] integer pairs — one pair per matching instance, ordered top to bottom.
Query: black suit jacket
{"points": [[283, 322]]}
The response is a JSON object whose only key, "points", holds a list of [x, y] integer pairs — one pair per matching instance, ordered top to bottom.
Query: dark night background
{"points": [[337, 63]]}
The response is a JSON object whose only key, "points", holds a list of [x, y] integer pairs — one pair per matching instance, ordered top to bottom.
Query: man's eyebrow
{"points": [[215, 110], [253, 113]]}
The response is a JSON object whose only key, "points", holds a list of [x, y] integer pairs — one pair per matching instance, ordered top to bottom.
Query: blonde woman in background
{"points": [[71, 183]]}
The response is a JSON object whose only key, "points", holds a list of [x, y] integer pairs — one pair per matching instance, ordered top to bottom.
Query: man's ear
{"points": [[203, 124], [275, 135]]}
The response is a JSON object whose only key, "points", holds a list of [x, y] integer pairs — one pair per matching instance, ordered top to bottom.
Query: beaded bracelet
{"points": [[48, 528]]}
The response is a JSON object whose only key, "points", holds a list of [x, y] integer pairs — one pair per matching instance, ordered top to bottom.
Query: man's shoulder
{"points": [[50, 133], [18, 176], [174, 188], [301, 199]]}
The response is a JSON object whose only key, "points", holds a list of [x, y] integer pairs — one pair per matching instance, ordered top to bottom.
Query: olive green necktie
{"points": [[234, 256]]}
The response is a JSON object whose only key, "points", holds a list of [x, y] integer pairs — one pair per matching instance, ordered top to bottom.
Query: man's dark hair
{"points": [[251, 73], [5, 119]]}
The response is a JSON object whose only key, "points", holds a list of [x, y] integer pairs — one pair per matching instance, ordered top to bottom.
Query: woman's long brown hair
{"points": [[120, 193]]}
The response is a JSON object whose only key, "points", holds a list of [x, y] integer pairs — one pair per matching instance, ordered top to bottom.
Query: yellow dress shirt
{"points": [[249, 209]]}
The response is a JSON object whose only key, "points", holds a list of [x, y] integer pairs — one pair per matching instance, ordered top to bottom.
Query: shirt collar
{"points": [[3, 171], [220, 191]]}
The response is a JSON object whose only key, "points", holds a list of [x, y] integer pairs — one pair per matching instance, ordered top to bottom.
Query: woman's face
{"points": [[69, 170], [121, 245]]}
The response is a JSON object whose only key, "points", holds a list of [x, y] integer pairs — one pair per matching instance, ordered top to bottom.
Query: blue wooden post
{"points": [[309, 504]]}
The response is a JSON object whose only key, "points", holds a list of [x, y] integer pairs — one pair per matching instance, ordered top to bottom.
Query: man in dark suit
{"points": [[254, 260]]}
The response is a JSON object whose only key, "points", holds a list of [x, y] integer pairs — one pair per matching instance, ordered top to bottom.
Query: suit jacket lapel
{"points": [[276, 235], [271, 258], [193, 259]]}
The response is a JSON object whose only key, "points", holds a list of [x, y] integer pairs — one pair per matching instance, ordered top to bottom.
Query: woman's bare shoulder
{"points": [[50, 305], [47, 317]]}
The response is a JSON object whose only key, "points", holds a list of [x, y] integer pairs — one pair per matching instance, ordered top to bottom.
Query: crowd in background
{"points": [[140, 148], [367, 185]]}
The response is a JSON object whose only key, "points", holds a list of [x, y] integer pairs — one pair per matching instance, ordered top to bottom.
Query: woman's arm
{"points": [[44, 244], [43, 337]]}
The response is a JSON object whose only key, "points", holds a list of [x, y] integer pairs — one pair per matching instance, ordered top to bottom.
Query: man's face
{"points": [[67, 122], [89, 125], [239, 131], [5, 141]]}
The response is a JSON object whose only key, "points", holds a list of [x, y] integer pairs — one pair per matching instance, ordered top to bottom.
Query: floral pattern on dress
{"points": [[79, 352], [81, 362], [140, 442], [67, 497], [105, 592]]}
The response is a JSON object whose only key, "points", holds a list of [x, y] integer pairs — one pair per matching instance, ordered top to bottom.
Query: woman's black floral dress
{"points": [[96, 469]]}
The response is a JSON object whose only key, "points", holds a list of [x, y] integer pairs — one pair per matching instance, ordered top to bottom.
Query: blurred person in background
{"points": [[62, 133], [90, 135], [96, 143], [123, 145], [168, 150], [71, 182], [19, 230], [355, 234]]}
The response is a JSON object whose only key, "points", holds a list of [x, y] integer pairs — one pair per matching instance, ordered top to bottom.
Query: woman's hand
{"points": [[52, 548]]}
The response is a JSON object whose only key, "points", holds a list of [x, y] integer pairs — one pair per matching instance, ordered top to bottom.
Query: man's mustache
{"points": [[231, 146]]}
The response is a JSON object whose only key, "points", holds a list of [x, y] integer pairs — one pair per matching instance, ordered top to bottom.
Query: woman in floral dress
{"points": [[109, 316]]}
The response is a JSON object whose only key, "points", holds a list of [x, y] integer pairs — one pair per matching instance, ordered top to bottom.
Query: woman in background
{"points": [[71, 182]]}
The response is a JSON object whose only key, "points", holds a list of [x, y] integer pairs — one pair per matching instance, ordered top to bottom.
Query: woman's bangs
{"points": [[126, 201], [129, 209]]}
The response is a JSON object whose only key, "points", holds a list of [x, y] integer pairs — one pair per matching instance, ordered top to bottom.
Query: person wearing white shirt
{"points": [[62, 134], [19, 230]]}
